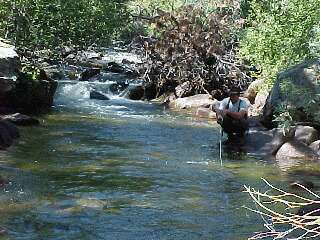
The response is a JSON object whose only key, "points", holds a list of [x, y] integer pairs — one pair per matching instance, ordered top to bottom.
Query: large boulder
{"points": [[9, 61], [9, 68], [294, 87], [18, 92], [31, 96], [193, 102], [306, 134], [296, 150]]}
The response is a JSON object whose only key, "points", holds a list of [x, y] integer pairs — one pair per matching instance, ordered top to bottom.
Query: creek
{"points": [[123, 169]]}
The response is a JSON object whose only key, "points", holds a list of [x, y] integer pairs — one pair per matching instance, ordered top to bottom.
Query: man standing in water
{"points": [[232, 116]]}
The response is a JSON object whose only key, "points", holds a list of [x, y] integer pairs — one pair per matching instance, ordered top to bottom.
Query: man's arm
{"points": [[219, 109], [236, 115]]}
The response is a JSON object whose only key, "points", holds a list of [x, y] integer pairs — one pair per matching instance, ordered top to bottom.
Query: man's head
{"points": [[234, 94]]}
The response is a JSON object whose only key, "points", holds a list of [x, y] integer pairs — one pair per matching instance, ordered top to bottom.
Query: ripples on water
{"points": [[121, 169]]}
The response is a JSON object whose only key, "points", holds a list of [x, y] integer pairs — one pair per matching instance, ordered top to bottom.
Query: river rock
{"points": [[115, 67], [55, 73], [89, 73], [303, 77], [6, 85], [117, 88], [184, 90], [253, 90], [150, 91], [135, 93], [98, 95], [31, 96], [193, 102], [256, 109], [205, 113], [21, 120], [8, 132], [306, 134], [265, 143], [315, 146], [296, 150], [3, 181]]}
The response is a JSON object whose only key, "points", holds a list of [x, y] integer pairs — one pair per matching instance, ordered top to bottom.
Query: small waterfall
{"points": [[69, 90], [74, 96]]}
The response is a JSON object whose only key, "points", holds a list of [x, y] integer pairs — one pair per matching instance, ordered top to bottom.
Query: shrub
{"points": [[49, 23], [279, 34]]}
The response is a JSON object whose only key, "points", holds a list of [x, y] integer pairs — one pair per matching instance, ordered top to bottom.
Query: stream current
{"points": [[122, 169]]}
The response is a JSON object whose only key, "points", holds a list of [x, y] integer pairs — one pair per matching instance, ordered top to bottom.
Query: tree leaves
{"points": [[49, 23]]}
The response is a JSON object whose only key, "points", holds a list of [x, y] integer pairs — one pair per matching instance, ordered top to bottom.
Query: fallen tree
{"points": [[196, 49]]}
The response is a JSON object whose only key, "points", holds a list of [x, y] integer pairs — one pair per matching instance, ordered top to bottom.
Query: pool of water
{"points": [[121, 169]]}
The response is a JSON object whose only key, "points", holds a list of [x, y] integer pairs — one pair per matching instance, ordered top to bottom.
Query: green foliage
{"points": [[50, 23], [280, 33], [31, 72]]}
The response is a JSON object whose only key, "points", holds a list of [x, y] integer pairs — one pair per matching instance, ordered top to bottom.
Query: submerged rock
{"points": [[98, 95], [205, 113], [21, 120], [8, 132], [304, 183], [312, 209]]}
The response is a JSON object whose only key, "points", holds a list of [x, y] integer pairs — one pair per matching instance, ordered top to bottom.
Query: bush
{"points": [[49, 23], [280, 33]]}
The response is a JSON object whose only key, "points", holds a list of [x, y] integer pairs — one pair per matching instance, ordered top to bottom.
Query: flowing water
{"points": [[122, 169]]}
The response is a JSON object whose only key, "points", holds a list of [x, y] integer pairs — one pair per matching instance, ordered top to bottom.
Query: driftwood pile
{"points": [[195, 51]]}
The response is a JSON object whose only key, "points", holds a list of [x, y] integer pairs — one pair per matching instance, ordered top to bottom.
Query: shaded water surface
{"points": [[126, 170]]}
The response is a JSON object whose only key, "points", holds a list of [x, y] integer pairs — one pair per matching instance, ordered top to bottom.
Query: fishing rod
{"points": [[220, 145]]}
